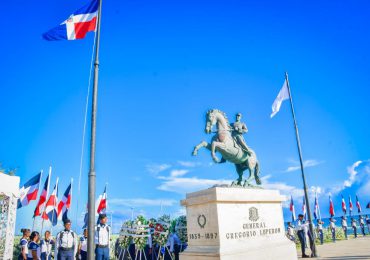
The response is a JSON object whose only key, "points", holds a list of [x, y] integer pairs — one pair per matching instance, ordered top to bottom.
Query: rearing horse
{"points": [[224, 143]]}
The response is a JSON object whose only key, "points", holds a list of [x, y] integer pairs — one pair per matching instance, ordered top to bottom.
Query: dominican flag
{"points": [[77, 25], [29, 191], [42, 200], [102, 202], [65, 203], [350, 205], [358, 205], [331, 207], [291, 208], [304, 208], [344, 208], [316, 209], [51, 212]]}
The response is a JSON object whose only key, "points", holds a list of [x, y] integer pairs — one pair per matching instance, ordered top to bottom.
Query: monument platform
{"points": [[236, 223]]}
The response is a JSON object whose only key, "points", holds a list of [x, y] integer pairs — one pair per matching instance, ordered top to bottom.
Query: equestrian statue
{"points": [[229, 142]]}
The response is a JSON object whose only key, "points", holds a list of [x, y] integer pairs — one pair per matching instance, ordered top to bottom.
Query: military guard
{"points": [[240, 128], [367, 219], [362, 225], [345, 226], [354, 226], [300, 228], [332, 228], [320, 230], [102, 238], [66, 243], [46, 246], [82, 246]]}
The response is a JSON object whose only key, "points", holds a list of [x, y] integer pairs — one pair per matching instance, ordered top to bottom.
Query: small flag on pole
{"points": [[77, 25], [283, 95], [29, 191], [42, 200], [102, 202], [65, 203], [350, 205], [358, 205], [331, 207], [291, 208], [304, 208], [316, 208], [344, 208], [51, 210]]}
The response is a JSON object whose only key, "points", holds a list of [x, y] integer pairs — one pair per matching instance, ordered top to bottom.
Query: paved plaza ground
{"points": [[352, 249]]}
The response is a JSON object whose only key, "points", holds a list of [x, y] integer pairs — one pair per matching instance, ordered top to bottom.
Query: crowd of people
{"points": [[301, 230], [67, 245]]}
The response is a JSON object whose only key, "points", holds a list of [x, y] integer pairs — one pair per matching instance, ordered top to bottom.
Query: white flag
{"points": [[283, 95]]}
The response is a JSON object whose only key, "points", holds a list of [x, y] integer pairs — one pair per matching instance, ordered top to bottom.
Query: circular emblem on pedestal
{"points": [[253, 214], [202, 221]]}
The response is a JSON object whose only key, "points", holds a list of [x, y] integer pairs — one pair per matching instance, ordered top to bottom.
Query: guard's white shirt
{"points": [[362, 222], [344, 223], [354, 224], [300, 225], [332, 225], [319, 226], [102, 235], [66, 239], [83, 243], [46, 246]]}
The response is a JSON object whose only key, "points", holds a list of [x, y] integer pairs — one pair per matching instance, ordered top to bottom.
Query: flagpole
{"points": [[92, 175], [46, 199], [314, 251]]}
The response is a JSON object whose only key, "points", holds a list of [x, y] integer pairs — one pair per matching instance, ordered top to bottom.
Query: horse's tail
{"points": [[257, 173]]}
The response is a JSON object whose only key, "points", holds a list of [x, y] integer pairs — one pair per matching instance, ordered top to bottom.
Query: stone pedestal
{"points": [[236, 223]]}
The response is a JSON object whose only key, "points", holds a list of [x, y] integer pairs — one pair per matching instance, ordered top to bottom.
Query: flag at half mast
{"points": [[77, 25]]}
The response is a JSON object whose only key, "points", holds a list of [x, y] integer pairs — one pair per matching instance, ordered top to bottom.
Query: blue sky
{"points": [[163, 65]]}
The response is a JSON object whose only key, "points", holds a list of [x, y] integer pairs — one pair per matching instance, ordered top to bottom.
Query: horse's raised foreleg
{"points": [[201, 145], [214, 146]]}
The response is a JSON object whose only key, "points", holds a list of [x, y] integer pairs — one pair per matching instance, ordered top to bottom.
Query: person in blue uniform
{"points": [[300, 228], [102, 238], [66, 243], [23, 244], [46, 246], [82, 246], [34, 252]]}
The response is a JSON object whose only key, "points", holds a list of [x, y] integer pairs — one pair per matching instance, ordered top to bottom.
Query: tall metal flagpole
{"points": [[92, 176], [314, 252]]}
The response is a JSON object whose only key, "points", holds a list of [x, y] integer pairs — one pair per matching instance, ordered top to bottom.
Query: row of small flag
{"points": [[48, 207], [316, 211]]}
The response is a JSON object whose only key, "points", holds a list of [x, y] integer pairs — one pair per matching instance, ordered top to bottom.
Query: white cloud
{"points": [[188, 164], [306, 164], [157, 168], [178, 173], [352, 174], [186, 185], [141, 202]]}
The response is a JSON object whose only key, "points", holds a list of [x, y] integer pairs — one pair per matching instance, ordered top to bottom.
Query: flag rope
{"points": [[84, 129]]}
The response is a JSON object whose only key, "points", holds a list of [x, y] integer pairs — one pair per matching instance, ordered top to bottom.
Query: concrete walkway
{"points": [[352, 249]]}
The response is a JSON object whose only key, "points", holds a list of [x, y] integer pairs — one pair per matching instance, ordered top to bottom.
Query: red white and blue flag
{"points": [[77, 25], [29, 191], [42, 200], [102, 202], [65, 203], [350, 205], [358, 205], [331, 207], [344, 207], [291, 208], [304, 208], [316, 208], [51, 210]]}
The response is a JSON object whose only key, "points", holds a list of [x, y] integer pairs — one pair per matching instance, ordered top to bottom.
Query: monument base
{"points": [[236, 223]]}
